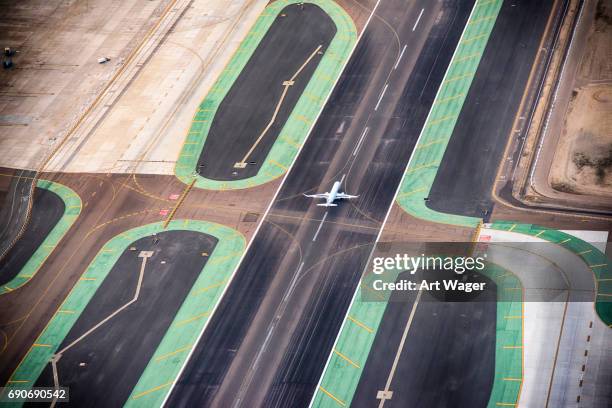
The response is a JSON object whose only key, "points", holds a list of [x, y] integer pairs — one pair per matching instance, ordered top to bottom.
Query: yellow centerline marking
{"points": [[540, 233], [565, 240], [585, 252], [40, 345], [513, 347], [513, 379]]}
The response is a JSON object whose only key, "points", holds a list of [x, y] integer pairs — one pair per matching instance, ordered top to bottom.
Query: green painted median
{"points": [[302, 117], [440, 123], [72, 209], [164, 366]]}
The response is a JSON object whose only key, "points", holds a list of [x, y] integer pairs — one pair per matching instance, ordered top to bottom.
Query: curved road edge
{"points": [[301, 119], [72, 209], [160, 372]]}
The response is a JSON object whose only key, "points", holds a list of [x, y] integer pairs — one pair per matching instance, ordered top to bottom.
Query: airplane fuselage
{"points": [[333, 193]]}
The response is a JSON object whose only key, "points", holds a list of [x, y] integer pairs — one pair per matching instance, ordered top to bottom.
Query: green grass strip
{"points": [[302, 117], [440, 123], [72, 209], [593, 257], [359, 329], [182, 333]]}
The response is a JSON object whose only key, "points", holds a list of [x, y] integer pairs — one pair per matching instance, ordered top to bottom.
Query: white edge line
{"points": [[418, 19], [380, 98], [391, 206], [178, 375]]}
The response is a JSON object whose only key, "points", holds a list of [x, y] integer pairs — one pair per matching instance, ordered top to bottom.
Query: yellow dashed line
{"points": [[482, 19], [469, 40], [467, 57], [458, 77], [450, 98], [444, 119], [430, 143], [277, 164], [423, 166], [407, 193], [512, 228], [540, 233], [565, 240], [585, 252], [598, 265], [216, 285], [66, 311], [513, 317], [191, 319], [358, 323], [40, 345], [512, 347], [164, 356], [345, 358], [513, 379], [159, 387], [330, 395]]}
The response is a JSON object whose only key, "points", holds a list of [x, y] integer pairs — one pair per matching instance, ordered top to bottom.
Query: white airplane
{"points": [[333, 195]]}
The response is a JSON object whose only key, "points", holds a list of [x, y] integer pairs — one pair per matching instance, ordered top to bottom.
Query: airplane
{"points": [[332, 196]]}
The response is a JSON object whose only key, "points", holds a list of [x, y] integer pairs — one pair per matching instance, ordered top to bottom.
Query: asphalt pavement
{"points": [[252, 100], [466, 175], [47, 209], [13, 212], [267, 343], [448, 359], [102, 368]]}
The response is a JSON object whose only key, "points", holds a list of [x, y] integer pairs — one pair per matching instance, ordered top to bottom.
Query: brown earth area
{"points": [[583, 158]]}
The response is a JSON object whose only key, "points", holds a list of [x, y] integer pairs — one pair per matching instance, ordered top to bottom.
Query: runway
{"points": [[261, 99], [465, 178], [47, 210], [268, 341], [111, 343]]}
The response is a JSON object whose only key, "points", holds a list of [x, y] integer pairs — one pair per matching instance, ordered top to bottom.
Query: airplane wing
{"points": [[320, 195], [345, 196]]}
